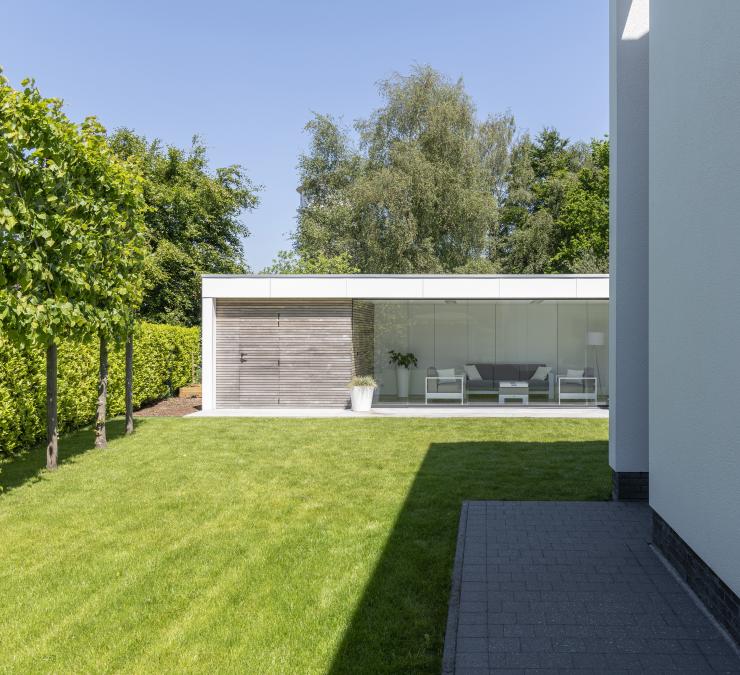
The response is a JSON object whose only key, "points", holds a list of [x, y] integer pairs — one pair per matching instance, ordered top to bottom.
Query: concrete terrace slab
{"points": [[411, 411], [564, 586]]}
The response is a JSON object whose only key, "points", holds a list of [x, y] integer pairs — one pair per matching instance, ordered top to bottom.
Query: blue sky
{"points": [[246, 76]]}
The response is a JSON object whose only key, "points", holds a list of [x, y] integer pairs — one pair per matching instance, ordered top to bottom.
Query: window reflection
{"points": [[525, 352]]}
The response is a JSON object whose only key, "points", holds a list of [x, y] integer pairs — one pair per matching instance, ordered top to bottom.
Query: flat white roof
{"points": [[407, 286]]}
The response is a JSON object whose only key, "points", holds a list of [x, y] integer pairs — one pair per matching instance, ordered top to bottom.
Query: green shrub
{"points": [[164, 357]]}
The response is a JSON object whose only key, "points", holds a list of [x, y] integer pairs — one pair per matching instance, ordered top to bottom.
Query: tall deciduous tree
{"points": [[541, 172], [424, 186], [419, 192], [62, 198], [554, 214], [193, 215], [583, 224]]}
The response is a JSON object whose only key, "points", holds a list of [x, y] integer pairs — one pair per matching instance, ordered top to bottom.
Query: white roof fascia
{"points": [[407, 287]]}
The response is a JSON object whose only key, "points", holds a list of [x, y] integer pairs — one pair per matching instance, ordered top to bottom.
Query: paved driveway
{"points": [[561, 586]]}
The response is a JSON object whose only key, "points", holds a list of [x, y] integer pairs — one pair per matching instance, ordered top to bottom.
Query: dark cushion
{"points": [[485, 370], [526, 370], [506, 371], [493, 373]]}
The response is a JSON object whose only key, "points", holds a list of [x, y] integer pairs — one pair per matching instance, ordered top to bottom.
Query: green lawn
{"points": [[262, 546]]}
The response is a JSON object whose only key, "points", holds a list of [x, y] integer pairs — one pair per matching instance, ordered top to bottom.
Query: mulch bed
{"points": [[171, 407]]}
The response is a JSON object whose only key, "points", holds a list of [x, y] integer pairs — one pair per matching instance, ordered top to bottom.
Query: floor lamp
{"points": [[595, 339]]}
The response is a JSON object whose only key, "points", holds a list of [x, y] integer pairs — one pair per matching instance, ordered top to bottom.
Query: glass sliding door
{"points": [[503, 352]]}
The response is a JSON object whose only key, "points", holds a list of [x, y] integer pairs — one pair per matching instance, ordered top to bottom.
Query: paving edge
{"points": [[695, 598], [453, 612]]}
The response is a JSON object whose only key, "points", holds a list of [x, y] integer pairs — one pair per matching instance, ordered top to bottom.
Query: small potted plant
{"points": [[402, 362], [361, 391]]}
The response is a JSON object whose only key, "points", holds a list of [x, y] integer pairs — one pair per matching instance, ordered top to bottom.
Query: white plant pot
{"points": [[402, 379], [362, 398]]}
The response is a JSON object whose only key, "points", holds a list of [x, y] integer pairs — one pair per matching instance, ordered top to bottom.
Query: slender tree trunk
{"points": [[130, 383], [52, 434], [100, 440]]}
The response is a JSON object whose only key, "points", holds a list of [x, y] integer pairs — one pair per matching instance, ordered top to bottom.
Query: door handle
{"points": [[243, 357]]}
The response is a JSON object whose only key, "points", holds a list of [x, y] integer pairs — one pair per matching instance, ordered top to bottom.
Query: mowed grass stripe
{"points": [[269, 545]]}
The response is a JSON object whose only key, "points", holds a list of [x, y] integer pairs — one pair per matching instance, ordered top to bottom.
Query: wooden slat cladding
{"points": [[363, 337], [283, 353], [315, 353], [247, 355]]}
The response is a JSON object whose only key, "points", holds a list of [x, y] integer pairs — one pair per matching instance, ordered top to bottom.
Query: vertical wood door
{"points": [[247, 355], [259, 358]]}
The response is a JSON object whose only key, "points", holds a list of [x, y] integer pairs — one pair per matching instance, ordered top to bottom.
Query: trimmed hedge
{"points": [[163, 361]]}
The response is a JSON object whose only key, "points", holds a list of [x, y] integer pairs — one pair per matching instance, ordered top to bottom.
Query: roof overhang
{"points": [[408, 287]]}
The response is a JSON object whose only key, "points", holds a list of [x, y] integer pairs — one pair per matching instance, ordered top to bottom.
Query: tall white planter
{"points": [[402, 381], [362, 398]]}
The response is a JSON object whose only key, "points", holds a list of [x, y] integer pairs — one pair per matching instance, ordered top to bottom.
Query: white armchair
{"points": [[446, 384]]}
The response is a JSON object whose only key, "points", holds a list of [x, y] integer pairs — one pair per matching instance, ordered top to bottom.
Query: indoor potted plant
{"points": [[402, 362], [361, 392]]}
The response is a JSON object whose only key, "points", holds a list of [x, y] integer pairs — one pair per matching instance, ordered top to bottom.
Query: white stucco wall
{"points": [[628, 236], [695, 276], [208, 353]]}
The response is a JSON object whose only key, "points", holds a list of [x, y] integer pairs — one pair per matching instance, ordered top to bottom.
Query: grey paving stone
{"points": [[561, 587], [467, 595], [473, 606], [501, 617], [476, 619], [472, 630], [519, 630], [472, 644], [537, 644], [508, 645], [569, 645], [716, 647], [471, 660], [516, 660], [695, 662], [596, 663], [658, 663], [724, 663], [470, 670]]}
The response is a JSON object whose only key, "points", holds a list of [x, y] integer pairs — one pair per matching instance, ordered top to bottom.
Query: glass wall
{"points": [[489, 342]]}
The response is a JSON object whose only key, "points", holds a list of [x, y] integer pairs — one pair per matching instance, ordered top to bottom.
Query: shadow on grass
{"points": [[29, 466], [399, 623]]}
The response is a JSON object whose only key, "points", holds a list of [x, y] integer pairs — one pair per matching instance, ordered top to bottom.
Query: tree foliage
{"points": [[423, 185], [418, 191], [555, 214], [193, 215], [584, 220], [71, 226], [72, 237], [291, 262]]}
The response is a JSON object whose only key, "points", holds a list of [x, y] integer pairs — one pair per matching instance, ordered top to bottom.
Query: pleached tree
{"points": [[64, 201], [117, 273], [129, 385]]}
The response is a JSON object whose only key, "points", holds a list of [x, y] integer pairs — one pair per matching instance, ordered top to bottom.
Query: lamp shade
{"points": [[595, 338]]}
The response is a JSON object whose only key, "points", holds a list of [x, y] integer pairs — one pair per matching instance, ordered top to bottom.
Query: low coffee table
{"points": [[513, 389]]}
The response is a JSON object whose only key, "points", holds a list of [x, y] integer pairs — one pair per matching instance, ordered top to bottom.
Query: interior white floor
{"points": [[415, 411]]}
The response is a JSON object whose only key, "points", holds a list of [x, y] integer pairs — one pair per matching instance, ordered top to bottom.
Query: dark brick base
{"points": [[630, 486], [716, 595]]}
